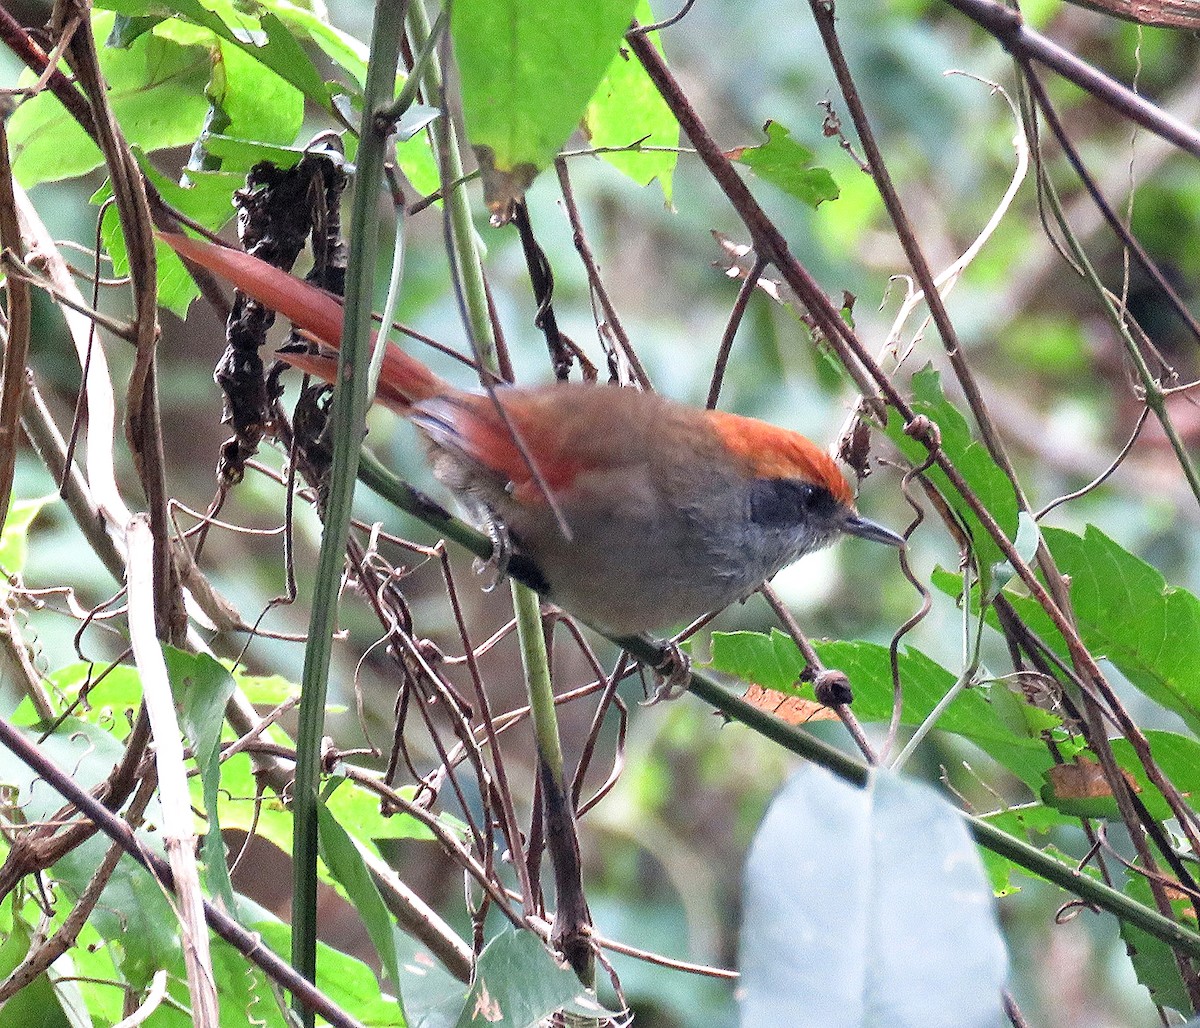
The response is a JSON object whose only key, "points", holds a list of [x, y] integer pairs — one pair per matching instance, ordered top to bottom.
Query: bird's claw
{"points": [[496, 566], [672, 673]]}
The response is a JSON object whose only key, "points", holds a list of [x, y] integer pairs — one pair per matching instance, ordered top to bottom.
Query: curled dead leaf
{"points": [[792, 709], [1083, 780]]}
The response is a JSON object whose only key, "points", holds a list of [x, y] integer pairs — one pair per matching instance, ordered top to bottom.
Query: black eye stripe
{"points": [[784, 501]]}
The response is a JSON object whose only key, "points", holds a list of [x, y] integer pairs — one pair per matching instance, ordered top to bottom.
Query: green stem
{"points": [[461, 226], [347, 419], [971, 659], [802, 744], [986, 834], [561, 840]]}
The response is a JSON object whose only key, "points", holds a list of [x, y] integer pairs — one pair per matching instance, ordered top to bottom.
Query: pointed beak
{"points": [[864, 529]]}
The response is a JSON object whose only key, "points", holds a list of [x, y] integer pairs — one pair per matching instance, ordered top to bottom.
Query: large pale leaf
{"points": [[867, 907]]}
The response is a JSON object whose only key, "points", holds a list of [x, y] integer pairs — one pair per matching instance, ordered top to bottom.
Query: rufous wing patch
{"points": [[471, 424]]}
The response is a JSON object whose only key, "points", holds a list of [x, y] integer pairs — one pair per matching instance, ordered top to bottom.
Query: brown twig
{"points": [[15, 334], [103, 819]]}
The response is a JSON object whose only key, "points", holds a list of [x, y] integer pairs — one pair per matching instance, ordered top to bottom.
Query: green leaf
{"points": [[262, 36], [340, 47], [528, 69], [156, 88], [254, 103], [626, 109], [243, 154], [417, 162], [784, 163], [207, 199], [971, 458], [14, 537], [1026, 545], [1127, 613], [772, 661], [203, 687], [264, 690], [110, 703], [979, 714], [1178, 757], [239, 806], [356, 806], [1019, 822], [346, 864], [892, 874], [132, 913], [1153, 960], [348, 982], [518, 983], [245, 994], [432, 996], [36, 1004]]}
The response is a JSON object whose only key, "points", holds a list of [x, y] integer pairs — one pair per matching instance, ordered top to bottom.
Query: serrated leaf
{"points": [[528, 69], [627, 108], [785, 164], [1126, 612], [772, 661], [775, 662], [1178, 757], [898, 928], [1153, 960]]}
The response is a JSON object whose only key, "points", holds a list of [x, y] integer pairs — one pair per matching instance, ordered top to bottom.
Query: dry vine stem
{"points": [[476, 744]]}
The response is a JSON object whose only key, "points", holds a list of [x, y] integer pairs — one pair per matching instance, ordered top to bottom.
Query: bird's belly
{"points": [[627, 571]]}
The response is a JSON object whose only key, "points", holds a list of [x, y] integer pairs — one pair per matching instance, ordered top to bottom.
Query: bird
{"points": [[644, 513]]}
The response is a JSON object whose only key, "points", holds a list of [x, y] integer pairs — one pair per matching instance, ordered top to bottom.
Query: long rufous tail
{"points": [[403, 381]]}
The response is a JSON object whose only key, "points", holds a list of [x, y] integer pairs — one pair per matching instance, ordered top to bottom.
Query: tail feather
{"points": [[403, 381]]}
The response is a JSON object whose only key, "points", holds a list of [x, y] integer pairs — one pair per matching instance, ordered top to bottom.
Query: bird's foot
{"points": [[496, 566], [672, 675]]}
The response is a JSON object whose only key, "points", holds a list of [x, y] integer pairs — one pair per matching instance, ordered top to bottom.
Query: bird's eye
{"points": [[784, 501]]}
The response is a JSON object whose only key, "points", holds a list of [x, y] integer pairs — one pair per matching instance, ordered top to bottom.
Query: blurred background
{"points": [[664, 851]]}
